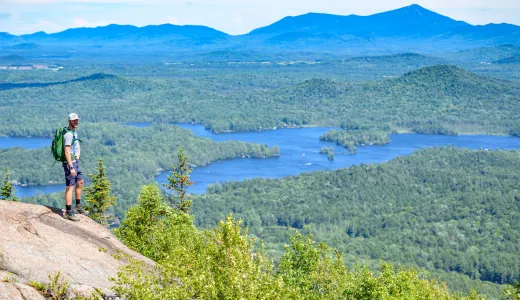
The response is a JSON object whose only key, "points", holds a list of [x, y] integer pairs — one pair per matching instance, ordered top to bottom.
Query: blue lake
{"points": [[28, 143], [300, 153]]}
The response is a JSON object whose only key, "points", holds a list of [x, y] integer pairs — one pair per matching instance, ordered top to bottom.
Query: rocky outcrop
{"points": [[36, 241], [18, 291]]}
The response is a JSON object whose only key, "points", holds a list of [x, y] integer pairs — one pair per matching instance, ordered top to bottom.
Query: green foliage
{"points": [[448, 97], [439, 99], [428, 127], [350, 139], [329, 151], [179, 182], [7, 192], [98, 196], [442, 209], [430, 215], [142, 220], [222, 263], [217, 264], [239, 272], [312, 272], [9, 278], [39, 286], [56, 289], [512, 292]]}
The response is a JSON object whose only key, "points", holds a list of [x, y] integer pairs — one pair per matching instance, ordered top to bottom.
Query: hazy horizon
{"points": [[230, 16]]}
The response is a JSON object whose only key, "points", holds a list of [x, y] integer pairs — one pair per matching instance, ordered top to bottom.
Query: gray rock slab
{"points": [[36, 241], [18, 291]]}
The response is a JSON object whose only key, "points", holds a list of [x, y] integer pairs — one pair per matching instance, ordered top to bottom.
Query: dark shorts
{"points": [[69, 179]]}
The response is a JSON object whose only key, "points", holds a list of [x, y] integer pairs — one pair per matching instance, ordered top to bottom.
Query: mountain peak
{"points": [[416, 7], [418, 10], [415, 11], [413, 20]]}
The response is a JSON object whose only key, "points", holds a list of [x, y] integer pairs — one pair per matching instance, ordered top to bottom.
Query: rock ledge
{"points": [[36, 241]]}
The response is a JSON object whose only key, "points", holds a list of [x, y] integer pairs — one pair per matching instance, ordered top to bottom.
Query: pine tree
{"points": [[179, 183], [7, 191], [98, 196]]}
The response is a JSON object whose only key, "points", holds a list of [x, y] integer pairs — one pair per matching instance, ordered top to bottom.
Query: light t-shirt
{"points": [[67, 141]]}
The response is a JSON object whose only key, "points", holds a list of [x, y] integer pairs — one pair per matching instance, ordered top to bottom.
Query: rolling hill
{"points": [[23, 46], [485, 54], [13, 59], [509, 60], [436, 97]]}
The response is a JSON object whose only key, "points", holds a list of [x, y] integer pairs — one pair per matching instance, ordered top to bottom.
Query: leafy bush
{"points": [[222, 263]]}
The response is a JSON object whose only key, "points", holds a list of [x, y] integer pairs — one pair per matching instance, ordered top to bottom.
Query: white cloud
{"points": [[173, 20], [79, 22]]}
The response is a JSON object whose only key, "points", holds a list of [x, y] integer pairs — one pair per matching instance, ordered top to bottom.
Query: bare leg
{"points": [[79, 189], [68, 195]]}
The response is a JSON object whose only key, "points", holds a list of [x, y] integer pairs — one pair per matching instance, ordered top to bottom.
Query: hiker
{"points": [[73, 175]]}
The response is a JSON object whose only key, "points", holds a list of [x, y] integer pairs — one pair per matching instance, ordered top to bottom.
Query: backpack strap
{"points": [[74, 139]]}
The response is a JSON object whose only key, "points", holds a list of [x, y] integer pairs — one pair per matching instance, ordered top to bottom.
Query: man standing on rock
{"points": [[73, 175]]}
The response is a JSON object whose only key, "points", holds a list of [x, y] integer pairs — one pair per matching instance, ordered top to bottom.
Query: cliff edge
{"points": [[36, 241]]}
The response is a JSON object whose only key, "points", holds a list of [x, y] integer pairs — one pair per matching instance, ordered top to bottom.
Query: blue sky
{"points": [[230, 16]]}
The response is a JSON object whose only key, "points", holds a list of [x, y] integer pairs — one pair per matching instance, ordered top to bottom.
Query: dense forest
{"points": [[439, 99], [132, 156], [445, 209], [450, 211], [222, 262]]}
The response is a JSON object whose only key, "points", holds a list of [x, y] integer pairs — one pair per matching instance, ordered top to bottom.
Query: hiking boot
{"points": [[80, 210], [69, 215]]}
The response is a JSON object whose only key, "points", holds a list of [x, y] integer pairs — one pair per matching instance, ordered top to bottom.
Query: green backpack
{"points": [[57, 147]]}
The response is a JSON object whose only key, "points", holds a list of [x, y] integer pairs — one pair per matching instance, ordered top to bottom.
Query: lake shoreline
{"points": [[299, 153]]}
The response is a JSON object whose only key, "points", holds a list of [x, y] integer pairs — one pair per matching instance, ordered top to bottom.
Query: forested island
{"points": [[351, 139]]}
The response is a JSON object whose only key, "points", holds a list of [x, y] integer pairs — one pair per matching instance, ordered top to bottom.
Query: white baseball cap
{"points": [[73, 116]]}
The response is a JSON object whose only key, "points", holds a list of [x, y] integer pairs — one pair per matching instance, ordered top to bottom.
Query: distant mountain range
{"points": [[412, 21], [411, 28]]}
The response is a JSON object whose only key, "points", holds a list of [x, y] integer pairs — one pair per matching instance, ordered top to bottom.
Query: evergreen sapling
{"points": [[179, 182], [7, 192], [98, 196]]}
